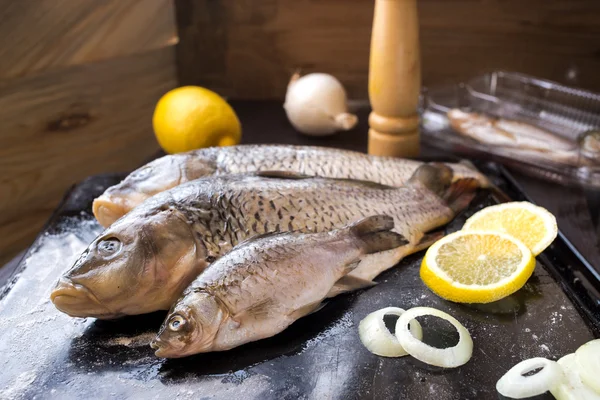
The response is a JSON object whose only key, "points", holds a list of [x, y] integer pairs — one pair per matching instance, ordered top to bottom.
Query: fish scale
{"points": [[347, 164], [173, 170], [325, 204], [144, 261], [233, 282], [266, 283]]}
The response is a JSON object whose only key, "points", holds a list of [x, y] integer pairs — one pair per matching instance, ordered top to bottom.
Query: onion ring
{"points": [[377, 338], [449, 357], [588, 360], [514, 384], [572, 388]]}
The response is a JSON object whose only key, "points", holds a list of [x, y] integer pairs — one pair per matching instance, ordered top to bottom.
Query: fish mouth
{"points": [[106, 210], [77, 301], [165, 350]]}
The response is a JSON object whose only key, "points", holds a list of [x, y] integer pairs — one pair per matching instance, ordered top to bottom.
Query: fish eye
{"points": [[108, 247], [176, 322]]}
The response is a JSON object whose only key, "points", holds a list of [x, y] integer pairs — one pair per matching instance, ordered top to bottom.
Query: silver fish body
{"points": [[518, 139], [173, 170], [144, 261], [265, 284]]}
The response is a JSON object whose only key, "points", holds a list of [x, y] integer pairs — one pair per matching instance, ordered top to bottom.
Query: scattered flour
{"points": [[338, 327], [15, 391]]}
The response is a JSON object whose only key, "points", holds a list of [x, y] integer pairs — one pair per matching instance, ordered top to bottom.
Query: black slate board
{"points": [[47, 355]]}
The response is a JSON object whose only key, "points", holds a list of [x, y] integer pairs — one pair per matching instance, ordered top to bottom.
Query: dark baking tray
{"points": [[45, 354]]}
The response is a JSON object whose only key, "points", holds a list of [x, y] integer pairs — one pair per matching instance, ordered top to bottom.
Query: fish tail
{"points": [[468, 163], [439, 178], [483, 180], [497, 193], [460, 194], [375, 234]]}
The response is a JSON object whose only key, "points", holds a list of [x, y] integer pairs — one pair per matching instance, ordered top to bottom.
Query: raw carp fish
{"points": [[173, 170], [144, 261], [265, 284]]}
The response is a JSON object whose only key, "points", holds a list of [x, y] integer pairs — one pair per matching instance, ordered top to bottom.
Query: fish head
{"points": [[155, 177], [138, 265], [191, 326]]}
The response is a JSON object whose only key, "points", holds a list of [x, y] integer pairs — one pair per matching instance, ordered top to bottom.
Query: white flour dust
{"points": [[337, 328]]}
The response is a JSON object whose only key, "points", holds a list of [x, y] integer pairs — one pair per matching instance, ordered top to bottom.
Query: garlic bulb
{"points": [[316, 105]]}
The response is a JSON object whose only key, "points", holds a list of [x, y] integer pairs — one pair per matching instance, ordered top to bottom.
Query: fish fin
{"points": [[468, 163], [281, 174], [295, 175], [437, 177], [364, 183], [460, 193], [497, 193], [375, 223], [375, 235], [252, 239], [427, 240], [382, 241], [372, 265], [350, 266], [349, 283], [319, 307], [260, 309], [306, 310]]}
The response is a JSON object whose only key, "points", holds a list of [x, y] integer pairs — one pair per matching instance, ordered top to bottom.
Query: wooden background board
{"points": [[44, 34], [248, 49], [78, 84]]}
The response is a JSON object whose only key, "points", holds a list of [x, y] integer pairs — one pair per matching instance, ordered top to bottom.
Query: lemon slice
{"points": [[535, 226], [477, 266]]}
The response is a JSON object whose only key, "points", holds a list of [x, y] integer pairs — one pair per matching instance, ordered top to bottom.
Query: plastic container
{"points": [[563, 112]]}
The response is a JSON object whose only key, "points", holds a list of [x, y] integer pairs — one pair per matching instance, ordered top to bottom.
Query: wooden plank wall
{"points": [[248, 49], [78, 84]]}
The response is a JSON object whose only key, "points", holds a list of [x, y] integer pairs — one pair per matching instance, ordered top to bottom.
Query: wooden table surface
{"points": [[576, 209]]}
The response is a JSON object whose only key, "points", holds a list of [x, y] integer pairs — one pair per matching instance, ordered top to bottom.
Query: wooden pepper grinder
{"points": [[394, 79]]}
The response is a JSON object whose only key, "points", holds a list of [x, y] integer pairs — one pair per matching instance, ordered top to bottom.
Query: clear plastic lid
{"points": [[536, 126]]}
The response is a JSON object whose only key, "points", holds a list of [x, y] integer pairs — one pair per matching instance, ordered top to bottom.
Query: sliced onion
{"points": [[377, 338], [449, 357], [588, 360], [514, 384], [572, 388]]}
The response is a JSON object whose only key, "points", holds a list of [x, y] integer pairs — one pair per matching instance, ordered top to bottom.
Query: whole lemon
{"points": [[192, 117]]}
